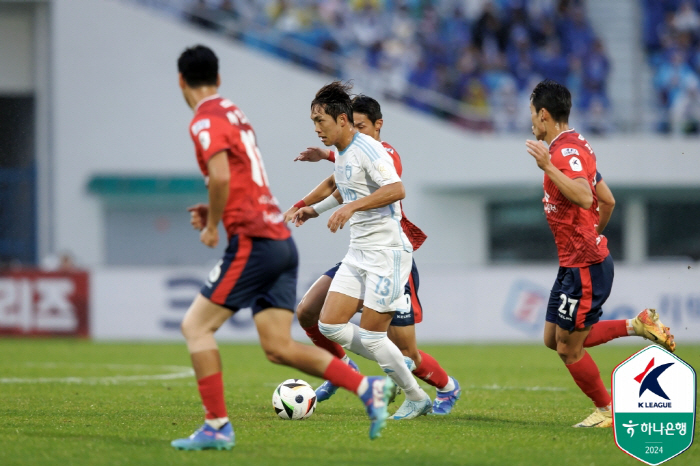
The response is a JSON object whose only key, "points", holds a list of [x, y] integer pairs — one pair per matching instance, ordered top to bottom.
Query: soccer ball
{"points": [[294, 399]]}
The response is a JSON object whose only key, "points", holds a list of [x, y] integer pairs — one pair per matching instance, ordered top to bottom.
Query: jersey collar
{"points": [[206, 99], [570, 130], [341, 152]]}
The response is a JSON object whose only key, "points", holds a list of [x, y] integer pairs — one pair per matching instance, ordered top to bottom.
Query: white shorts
{"points": [[376, 277]]}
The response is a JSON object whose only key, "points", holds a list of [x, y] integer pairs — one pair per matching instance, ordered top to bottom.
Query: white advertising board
{"points": [[499, 304]]}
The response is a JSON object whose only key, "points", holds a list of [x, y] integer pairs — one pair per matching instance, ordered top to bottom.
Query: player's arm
{"points": [[314, 154], [219, 178], [576, 190], [319, 193], [385, 195], [606, 204], [309, 212]]}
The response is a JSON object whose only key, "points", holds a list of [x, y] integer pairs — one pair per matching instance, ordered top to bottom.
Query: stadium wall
{"points": [[117, 110], [494, 304]]}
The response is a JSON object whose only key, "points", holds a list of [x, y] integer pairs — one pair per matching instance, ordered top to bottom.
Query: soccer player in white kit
{"points": [[378, 262]]}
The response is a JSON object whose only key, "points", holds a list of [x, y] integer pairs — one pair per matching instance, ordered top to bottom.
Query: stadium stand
{"points": [[671, 35], [473, 63]]}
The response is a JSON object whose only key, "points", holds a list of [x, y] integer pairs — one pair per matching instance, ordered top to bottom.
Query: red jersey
{"points": [[251, 210], [415, 235], [578, 243]]}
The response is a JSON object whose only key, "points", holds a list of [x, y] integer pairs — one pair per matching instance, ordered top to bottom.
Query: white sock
{"points": [[347, 336], [391, 361], [364, 385], [449, 387], [217, 423]]}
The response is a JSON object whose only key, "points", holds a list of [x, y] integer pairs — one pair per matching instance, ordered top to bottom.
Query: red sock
{"points": [[604, 331], [321, 341], [430, 371], [341, 375], [587, 376], [211, 389]]}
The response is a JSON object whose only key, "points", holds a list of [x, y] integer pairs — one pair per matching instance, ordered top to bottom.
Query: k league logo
{"points": [[650, 382], [654, 405]]}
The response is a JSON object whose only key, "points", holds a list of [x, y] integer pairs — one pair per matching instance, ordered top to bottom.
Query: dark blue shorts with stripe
{"points": [[259, 273]]}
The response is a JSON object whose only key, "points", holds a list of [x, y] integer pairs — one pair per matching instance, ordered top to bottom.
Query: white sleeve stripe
{"points": [[369, 150]]}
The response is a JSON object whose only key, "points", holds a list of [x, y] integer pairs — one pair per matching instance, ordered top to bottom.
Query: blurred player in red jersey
{"points": [[367, 117], [259, 268], [586, 269]]}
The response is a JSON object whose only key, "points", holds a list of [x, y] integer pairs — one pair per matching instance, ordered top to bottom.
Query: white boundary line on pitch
{"points": [[175, 372]]}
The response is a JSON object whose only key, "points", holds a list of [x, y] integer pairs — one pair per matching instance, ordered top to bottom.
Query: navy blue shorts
{"points": [[255, 272], [577, 297], [414, 315]]}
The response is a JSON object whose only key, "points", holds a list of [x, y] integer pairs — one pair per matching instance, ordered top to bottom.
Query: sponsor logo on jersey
{"points": [[200, 125], [205, 140], [569, 151], [575, 164], [384, 171], [548, 208], [273, 217]]}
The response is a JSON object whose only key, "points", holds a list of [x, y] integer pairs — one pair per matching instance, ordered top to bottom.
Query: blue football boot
{"points": [[327, 389], [376, 398], [445, 401], [208, 438]]}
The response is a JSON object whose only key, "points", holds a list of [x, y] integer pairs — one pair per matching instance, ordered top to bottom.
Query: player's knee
{"points": [[306, 314], [189, 329], [332, 331], [277, 353], [568, 353]]}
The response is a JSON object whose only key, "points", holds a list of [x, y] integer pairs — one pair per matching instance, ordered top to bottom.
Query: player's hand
{"points": [[539, 152], [313, 154], [304, 214], [198, 215], [289, 215], [340, 217], [209, 237]]}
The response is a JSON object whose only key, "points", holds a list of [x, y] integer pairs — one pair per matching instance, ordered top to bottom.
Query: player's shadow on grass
{"points": [[491, 420]]}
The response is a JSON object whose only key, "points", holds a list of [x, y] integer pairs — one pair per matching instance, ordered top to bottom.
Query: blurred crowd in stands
{"points": [[672, 40], [474, 62]]}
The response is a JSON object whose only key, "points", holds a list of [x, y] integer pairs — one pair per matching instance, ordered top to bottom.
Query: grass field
{"points": [[122, 404]]}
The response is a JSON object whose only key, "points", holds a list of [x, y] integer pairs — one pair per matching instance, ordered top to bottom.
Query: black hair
{"points": [[199, 66], [554, 97], [334, 99], [367, 106]]}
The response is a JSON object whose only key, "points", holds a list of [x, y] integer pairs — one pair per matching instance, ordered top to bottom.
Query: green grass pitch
{"points": [[122, 404]]}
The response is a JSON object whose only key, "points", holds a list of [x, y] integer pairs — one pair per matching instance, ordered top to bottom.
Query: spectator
{"points": [[476, 54]]}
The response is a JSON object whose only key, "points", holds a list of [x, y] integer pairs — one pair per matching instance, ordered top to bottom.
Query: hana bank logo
{"points": [[649, 381]]}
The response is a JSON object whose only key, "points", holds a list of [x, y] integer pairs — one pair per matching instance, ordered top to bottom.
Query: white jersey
{"points": [[362, 168]]}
